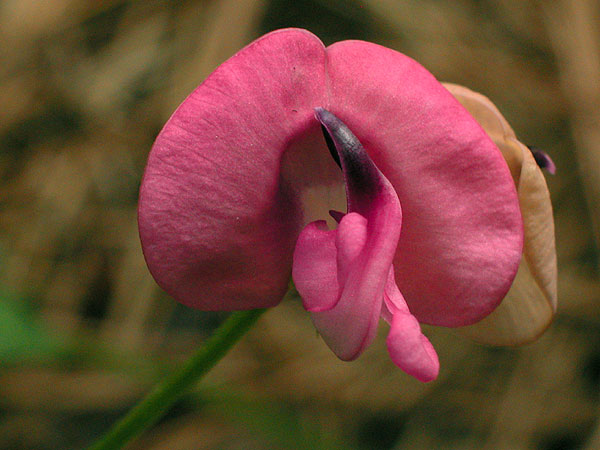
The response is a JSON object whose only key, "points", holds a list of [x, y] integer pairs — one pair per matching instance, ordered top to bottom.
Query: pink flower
{"points": [[239, 174]]}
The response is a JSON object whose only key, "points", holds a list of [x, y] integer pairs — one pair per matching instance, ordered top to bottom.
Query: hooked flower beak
{"points": [[240, 179]]}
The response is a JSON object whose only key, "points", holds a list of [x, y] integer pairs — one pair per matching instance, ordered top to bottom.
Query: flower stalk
{"points": [[150, 409]]}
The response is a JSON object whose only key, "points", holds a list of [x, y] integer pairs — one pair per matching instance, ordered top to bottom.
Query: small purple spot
{"points": [[543, 160]]}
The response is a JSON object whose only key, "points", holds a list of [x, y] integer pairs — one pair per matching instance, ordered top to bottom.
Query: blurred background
{"points": [[84, 331]]}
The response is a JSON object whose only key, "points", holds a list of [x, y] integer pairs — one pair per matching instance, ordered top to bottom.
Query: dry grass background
{"points": [[84, 331]]}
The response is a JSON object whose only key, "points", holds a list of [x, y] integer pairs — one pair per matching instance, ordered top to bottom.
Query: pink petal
{"points": [[217, 222], [462, 233], [351, 237], [366, 243], [324, 258], [315, 269], [530, 304], [351, 325], [408, 347]]}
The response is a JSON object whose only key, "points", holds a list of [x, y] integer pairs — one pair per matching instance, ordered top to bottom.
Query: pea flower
{"points": [[245, 183]]}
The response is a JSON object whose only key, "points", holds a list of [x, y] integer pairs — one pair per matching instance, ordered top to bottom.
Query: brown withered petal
{"points": [[530, 304]]}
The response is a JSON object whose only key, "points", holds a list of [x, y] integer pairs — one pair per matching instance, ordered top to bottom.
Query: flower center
{"points": [[345, 276]]}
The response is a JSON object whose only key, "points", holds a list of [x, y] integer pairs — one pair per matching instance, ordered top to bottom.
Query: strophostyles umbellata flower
{"points": [[348, 167]]}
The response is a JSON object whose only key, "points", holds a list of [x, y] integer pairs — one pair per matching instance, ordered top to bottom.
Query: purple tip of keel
{"points": [[543, 160]]}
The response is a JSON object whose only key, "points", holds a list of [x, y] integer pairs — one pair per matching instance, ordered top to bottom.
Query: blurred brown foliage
{"points": [[84, 89]]}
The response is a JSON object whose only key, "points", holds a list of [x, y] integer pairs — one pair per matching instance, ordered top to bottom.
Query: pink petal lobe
{"points": [[217, 220], [462, 232], [350, 239], [314, 269], [350, 326], [408, 347]]}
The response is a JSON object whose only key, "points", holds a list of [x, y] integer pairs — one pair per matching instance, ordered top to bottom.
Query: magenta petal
{"points": [[217, 224], [462, 232], [351, 236], [366, 240], [324, 258], [315, 269], [348, 321], [350, 326], [409, 348]]}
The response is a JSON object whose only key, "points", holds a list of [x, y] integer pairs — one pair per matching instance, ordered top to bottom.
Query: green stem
{"points": [[161, 398]]}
